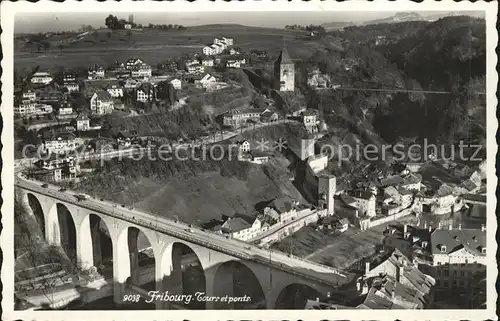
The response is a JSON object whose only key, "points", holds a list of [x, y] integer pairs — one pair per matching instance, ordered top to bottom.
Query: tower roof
{"points": [[284, 57]]}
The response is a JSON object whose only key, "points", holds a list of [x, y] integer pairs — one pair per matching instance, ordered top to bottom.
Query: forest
{"points": [[446, 56]]}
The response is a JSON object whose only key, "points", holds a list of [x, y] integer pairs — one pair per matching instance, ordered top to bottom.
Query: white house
{"points": [[127, 26], [228, 41], [208, 50], [232, 51], [132, 62], [208, 62], [233, 64], [194, 67], [141, 71], [96, 73], [42, 78], [208, 81], [131, 83], [176, 83], [72, 87], [115, 91], [146, 92], [29, 95], [101, 103], [65, 110], [82, 123], [61, 143], [243, 146], [365, 203], [458, 255]]}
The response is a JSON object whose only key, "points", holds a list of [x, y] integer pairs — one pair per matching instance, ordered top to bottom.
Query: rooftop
{"points": [[284, 57], [236, 224], [456, 239]]}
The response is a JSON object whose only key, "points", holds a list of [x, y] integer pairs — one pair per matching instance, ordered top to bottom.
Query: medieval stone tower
{"points": [[284, 72], [327, 185]]}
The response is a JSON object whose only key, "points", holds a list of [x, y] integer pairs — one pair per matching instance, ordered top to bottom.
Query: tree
{"points": [[129, 35]]}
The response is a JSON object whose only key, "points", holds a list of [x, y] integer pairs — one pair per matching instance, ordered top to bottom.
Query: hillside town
{"points": [[421, 220]]}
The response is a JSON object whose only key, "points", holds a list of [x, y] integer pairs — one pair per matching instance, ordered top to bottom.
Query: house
{"points": [[127, 26], [227, 41], [208, 50], [232, 52], [133, 62], [207, 62], [233, 64], [194, 67], [140, 71], [96, 73], [43, 78], [69, 78], [317, 80], [206, 81], [131, 83], [176, 83], [72, 87], [115, 90], [146, 92], [29, 95], [101, 103], [31, 108], [65, 109], [269, 116], [237, 117], [309, 118], [82, 123], [126, 138], [60, 143], [243, 146], [258, 157], [68, 166], [462, 170], [468, 187], [365, 203], [282, 209], [237, 228], [458, 257], [395, 284]]}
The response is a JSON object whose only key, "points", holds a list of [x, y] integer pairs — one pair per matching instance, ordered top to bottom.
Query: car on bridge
{"points": [[45, 185], [62, 189]]}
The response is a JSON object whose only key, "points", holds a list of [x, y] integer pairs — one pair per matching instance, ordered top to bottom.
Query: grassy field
{"points": [[153, 45], [195, 198]]}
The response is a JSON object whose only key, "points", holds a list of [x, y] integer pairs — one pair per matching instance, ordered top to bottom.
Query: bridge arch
{"points": [[37, 210], [63, 230], [102, 245], [142, 258], [182, 273], [235, 279], [294, 296]]}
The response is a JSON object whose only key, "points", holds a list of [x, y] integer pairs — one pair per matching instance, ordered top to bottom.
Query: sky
{"points": [[44, 22]]}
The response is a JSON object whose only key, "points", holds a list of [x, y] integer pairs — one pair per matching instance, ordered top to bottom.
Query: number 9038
{"points": [[131, 298]]}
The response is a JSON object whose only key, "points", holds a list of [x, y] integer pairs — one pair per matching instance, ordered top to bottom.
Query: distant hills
{"points": [[402, 17]]}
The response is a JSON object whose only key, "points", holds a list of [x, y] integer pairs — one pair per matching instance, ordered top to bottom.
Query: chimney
{"points": [[425, 224], [459, 226], [405, 228], [430, 228], [483, 228], [367, 267], [398, 273], [393, 292]]}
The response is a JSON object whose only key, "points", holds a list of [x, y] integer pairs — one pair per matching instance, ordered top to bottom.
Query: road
{"points": [[182, 231]]}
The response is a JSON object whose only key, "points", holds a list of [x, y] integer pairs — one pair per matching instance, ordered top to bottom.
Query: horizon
{"points": [[35, 22]]}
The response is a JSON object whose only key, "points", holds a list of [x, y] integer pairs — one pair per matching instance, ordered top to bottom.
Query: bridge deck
{"points": [[239, 249]]}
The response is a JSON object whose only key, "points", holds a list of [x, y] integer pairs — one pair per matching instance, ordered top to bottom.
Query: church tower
{"points": [[284, 72]]}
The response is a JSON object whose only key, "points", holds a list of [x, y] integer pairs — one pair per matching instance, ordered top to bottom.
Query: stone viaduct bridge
{"points": [[75, 225]]}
